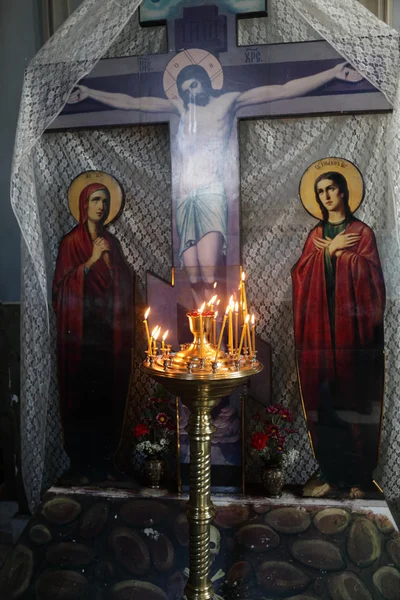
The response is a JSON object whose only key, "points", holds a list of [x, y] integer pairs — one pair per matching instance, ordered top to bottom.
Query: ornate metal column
{"points": [[201, 389]]}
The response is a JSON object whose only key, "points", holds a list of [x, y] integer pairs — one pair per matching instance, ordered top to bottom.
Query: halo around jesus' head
{"points": [[187, 58], [328, 165], [108, 181]]}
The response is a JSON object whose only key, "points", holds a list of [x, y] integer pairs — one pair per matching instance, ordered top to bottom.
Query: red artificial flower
{"points": [[273, 409], [285, 414], [162, 418], [140, 430], [272, 431], [280, 440], [259, 441]]}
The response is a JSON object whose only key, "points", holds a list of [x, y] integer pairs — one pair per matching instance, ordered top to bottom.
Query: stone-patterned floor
{"points": [[11, 526], [121, 546]]}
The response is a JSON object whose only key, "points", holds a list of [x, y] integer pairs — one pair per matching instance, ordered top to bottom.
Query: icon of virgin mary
{"points": [[93, 300], [338, 304]]}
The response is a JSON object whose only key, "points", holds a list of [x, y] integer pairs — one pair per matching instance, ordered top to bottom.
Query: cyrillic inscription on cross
{"points": [[201, 87]]}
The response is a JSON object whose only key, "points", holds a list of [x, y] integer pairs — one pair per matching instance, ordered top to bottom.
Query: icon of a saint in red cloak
{"points": [[93, 302], [339, 303]]}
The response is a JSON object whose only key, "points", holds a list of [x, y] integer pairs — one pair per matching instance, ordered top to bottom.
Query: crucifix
{"points": [[201, 87]]}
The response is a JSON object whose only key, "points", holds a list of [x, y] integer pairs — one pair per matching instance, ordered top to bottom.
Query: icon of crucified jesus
{"points": [[206, 118]]}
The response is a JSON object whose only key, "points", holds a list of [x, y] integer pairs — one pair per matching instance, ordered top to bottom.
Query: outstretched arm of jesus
{"points": [[297, 87], [122, 101]]}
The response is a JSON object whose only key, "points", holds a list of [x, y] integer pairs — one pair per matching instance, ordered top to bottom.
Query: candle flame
{"points": [[243, 275], [215, 285], [231, 299], [212, 301], [218, 301], [236, 306], [202, 308], [228, 308], [146, 314], [215, 314], [247, 319], [252, 319], [154, 331], [157, 333], [164, 337]]}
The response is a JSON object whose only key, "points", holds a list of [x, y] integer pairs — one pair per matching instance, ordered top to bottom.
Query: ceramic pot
{"points": [[153, 470], [273, 480]]}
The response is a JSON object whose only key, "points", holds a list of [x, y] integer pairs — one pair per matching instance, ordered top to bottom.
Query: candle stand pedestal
{"points": [[200, 385]]}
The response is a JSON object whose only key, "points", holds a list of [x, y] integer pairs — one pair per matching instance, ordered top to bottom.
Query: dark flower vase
{"points": [[153, 470], [273, 479]]}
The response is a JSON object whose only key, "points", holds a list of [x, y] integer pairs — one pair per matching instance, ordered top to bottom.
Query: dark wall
{"points": [[20, 38]]}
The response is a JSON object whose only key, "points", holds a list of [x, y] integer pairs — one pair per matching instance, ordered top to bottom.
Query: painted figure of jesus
{"points": [[206, 128]]}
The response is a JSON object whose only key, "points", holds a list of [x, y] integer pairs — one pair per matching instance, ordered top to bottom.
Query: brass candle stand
{"points": [[200, 376]]}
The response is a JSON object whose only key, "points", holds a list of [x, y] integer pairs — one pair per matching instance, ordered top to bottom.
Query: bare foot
{"points": [[315, 488], [356, 492]]}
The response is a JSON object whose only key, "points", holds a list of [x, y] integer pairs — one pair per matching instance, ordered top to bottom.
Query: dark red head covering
{"points": [[84, 200]]}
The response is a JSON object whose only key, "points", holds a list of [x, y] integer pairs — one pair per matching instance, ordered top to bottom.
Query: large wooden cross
{"points": [[202, 86]]}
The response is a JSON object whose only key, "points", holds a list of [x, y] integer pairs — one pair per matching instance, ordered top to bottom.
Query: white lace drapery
{"points": [[274, 154]]}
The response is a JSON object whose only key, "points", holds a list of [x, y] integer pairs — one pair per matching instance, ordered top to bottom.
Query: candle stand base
{"points": [[200, 391]]}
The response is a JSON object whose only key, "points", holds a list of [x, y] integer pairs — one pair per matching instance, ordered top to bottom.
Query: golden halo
{"points": [[193, 56], [353, 176], [87, 178]]}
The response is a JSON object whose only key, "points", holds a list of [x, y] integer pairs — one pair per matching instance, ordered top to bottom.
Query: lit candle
{"points": [[244, 299], [212, 301], [241, 303], [146, 314], [216, 324], [236, 325], [201, 328], [215, 328], [244, 329], [253, 331], [230, 332], [221, 333], [155, 334], [152, 336], [249, 336], [164, 337]]}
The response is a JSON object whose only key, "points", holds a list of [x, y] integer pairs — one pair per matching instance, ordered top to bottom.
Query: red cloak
{"points": [[359, 310], [94, 318], [341, 376]]}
